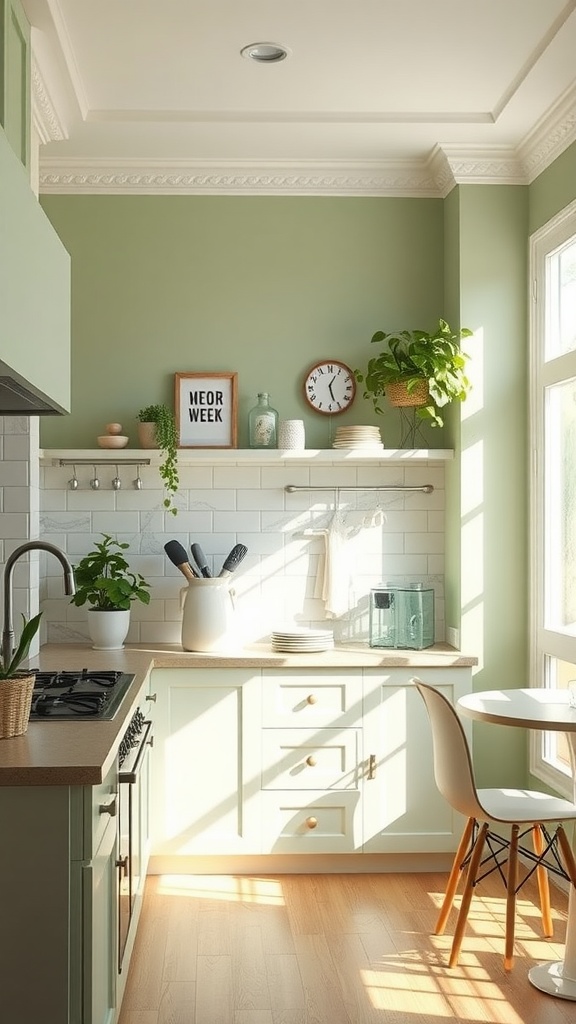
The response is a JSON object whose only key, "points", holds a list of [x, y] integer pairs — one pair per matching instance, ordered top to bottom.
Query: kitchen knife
{"points": [[177, 555], [200, 559], [232, 561]]}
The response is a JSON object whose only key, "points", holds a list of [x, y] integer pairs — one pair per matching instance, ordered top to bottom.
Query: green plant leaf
{"points": [[29, 630]]}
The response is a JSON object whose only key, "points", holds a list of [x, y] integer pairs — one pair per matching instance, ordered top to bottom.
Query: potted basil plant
{"points": [[106, 584]]}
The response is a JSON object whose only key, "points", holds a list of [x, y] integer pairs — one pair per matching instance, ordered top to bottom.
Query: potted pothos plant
{"points": [[425, 370], [157, 429], [105, 582], [17, 685]]}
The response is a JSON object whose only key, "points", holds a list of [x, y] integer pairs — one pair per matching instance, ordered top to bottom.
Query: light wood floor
{"points": [[333, 949]]}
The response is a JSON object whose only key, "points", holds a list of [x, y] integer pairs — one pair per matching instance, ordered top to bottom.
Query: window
{"points": [[553, 480]]}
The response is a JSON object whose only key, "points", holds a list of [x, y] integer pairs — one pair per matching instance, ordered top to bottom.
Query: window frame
{"points": [[544, 642]]}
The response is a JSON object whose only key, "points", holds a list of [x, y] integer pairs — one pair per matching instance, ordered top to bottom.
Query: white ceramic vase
{"points": [[291, 434], [108, 630]]}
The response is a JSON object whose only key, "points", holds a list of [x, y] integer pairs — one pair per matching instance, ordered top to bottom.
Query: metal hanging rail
{"points": [[104, 462], [426, 488]]}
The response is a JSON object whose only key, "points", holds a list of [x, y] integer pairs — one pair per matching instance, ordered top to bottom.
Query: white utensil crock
{"points": [[208, 615]]}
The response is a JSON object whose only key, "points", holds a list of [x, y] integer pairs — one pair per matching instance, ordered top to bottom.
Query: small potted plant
{"points": [[418, 369], [157, 429], [104, 582], [17, 686]]}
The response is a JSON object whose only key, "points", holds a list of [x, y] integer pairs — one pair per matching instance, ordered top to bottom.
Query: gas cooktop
{"points": [[80, 695]]}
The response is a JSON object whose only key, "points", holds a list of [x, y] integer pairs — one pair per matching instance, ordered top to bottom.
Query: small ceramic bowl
{"points": [[112, 441]]}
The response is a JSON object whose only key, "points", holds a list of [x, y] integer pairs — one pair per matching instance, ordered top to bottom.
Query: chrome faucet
{"points": [[69, 587]]}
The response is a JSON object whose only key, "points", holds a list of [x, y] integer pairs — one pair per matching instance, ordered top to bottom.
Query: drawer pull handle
{"points": [[151, 697], [312, 698], [311, 761], [372, 766], [109, 808], [311, 822]]}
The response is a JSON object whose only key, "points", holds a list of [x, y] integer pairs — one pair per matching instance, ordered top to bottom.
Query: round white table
{"points": [[550, 710]]}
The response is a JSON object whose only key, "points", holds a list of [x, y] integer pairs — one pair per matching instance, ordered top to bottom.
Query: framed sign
{"points": [[206, 409]]}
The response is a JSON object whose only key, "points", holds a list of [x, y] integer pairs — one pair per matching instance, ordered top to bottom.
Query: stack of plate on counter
{"points": [[357, 437], [302, 641]]}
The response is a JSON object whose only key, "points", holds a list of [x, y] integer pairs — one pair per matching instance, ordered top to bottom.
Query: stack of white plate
{"points": [[357, 437], [302, 641]]}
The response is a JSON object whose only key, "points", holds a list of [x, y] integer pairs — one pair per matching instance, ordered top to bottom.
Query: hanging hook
{"points": [[73, 482], [116, 482], [95, 483]]}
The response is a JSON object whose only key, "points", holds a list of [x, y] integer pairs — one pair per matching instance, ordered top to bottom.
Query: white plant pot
{"points": [[108, 630]]}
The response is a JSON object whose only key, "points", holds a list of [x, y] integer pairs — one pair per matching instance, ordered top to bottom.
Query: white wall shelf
{"points": [[244, 456]]}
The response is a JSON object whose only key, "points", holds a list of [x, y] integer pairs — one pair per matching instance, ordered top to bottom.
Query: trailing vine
{"points": [[167, 441]]}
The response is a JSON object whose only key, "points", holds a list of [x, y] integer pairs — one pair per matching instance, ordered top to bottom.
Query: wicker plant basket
{"points": [[398, 395], [15, 703]]}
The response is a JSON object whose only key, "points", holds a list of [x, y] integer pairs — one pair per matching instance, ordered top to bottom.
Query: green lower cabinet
{"points": [[100, 925]]}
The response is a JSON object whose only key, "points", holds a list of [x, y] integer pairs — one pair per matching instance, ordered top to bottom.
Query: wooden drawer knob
{"points": [[312, 698], [311, 761], [311, 822]]}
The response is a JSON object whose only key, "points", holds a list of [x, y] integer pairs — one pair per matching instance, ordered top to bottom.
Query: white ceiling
{"points": [[377, 96]]}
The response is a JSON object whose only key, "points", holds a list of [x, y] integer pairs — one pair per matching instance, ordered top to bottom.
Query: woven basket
{"points": [[398, 395], [15, 703]]}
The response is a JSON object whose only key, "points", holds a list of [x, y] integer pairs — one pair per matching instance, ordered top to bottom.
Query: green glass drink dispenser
{"points": [[402, 616]]}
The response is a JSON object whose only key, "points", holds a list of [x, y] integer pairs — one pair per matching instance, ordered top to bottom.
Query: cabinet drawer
{"points": [[311, 698], [310, 758], [311, 822]]}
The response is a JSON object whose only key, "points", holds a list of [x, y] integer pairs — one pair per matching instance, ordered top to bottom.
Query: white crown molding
{"points": [[45, 118], [550, 137], [447, 166], [134, 177]]}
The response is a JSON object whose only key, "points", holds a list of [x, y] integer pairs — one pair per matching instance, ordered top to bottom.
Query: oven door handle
{"points": [[132, 776]]}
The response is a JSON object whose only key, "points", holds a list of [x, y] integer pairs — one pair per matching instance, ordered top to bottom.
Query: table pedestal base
{"points": [[548, 978]]}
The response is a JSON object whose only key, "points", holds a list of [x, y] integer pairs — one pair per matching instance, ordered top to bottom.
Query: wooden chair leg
{"points": [[567, 854], [454, 876], [543, 886], [467, 894], [511, 898]]}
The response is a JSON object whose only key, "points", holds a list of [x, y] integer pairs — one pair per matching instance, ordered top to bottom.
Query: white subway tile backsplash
{"points": [[14, 474], [236, 477], [260, 499], [209, 500], [115, 522], [241, 522], [14, 525], [394, 536]]}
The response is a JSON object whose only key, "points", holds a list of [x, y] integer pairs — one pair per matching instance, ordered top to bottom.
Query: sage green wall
{"points": [[553, 190], [486, 231], [260, 285]]}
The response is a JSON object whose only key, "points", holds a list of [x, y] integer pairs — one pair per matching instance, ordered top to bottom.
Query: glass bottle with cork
{"points": [[263, 424]]}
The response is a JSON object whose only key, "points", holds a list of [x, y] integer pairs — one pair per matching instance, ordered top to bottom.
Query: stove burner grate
{"points": [[81, 694]]}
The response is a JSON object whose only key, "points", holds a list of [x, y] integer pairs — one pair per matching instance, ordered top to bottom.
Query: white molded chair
{"points": [[484, 808]]}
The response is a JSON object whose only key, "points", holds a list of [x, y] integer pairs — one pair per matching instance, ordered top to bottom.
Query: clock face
{"points": [[329, 387]]}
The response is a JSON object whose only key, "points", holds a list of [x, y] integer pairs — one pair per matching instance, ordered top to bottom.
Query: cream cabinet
{"points": [[294, 761], [311, 761], [206, 762], [403, 810]]}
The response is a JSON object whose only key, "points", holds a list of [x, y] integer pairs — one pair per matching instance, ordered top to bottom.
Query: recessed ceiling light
{"points": [[265, 53]]}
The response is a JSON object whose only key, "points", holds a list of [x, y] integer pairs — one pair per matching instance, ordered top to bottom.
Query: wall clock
{"points": [[330, 387]]}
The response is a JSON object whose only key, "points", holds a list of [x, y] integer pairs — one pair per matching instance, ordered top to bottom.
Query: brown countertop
{"points": [[81, 753]]}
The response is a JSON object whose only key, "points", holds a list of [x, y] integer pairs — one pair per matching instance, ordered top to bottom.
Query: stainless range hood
{"points": [[18, 398]]}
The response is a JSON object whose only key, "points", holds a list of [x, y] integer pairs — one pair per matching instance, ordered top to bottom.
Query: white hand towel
{"points": [[337, 570]]}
